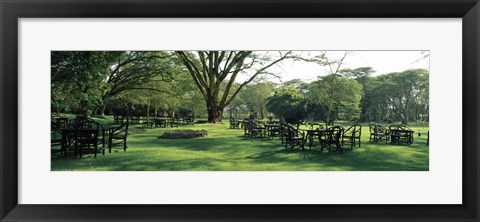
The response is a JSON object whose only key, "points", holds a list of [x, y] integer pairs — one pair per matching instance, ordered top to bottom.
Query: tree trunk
{"points": [[102, 108], [148, 108], [214, 110], [215, 115], [404, 118], [327, 121]]}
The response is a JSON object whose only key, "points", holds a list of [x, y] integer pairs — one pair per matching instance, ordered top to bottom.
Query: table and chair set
{"points": [[164, 122], [256, 129], [394, 134], [83, 135], [332, 138]]}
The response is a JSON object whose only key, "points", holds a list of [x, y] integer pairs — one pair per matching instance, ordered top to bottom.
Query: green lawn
{"points": [[227, 149]]}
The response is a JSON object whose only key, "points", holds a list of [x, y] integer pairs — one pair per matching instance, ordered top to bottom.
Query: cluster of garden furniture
{"points": [[154, 122], [83, 134], [395, 134], [333, 138]]}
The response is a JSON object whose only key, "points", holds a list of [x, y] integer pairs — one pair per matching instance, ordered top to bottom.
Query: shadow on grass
{"points": [[231, 150], [132, 164]]}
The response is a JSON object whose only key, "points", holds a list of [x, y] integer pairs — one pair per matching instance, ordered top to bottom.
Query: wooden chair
{"points": [[61, 122], [234, 124], [260, 125], [56, 127], [273, 129], [246, 131], [254, 131], [283, 132], [378, 133], [118, 134], [394, 134], [401, 134], [407, 134], [352, 135], [86, 136], [294, 137], [55, 139], [86, 139], [332, 139]]}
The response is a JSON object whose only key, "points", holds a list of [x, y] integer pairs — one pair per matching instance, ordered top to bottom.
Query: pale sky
{"points": [[383, 62]]}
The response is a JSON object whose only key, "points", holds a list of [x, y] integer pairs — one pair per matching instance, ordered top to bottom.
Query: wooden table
{"points": [[271, 129], [312, 133], [396, 136], [68, 137]]}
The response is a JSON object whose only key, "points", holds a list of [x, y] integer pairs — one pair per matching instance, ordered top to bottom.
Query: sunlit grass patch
{"points": [[225, 149]]}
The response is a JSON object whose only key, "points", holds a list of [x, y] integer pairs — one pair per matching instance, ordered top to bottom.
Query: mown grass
{"points": [[227, 149]]}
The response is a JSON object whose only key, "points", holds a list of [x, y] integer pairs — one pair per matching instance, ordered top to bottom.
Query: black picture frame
{"points": [[11, 11]]}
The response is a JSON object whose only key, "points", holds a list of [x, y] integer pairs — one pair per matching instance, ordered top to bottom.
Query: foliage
{"points": [[209, 69], [136, 70], [90, 79], [77, 80], [203, 83], [405, 93], [401, 96], [255, 97], [333, 97], [287, 103]]}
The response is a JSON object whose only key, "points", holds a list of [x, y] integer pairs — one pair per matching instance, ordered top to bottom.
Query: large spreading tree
{"points": [[209, 69], [134, 70]]}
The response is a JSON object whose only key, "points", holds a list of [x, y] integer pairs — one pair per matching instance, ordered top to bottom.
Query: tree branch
{"points": [[258, 72]]}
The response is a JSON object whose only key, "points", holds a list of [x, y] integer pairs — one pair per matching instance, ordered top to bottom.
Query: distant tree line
{"points": [[354, 95]]}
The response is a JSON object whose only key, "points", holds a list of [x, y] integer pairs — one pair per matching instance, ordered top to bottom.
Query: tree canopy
{"points": [[209, 83], [332, 97], [289, 104]]}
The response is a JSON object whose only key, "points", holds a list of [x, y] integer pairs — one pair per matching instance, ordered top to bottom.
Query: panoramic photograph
{"points": [[240, 110]]}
